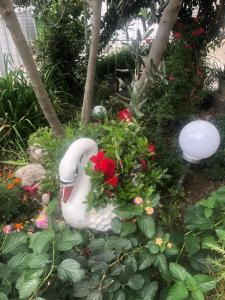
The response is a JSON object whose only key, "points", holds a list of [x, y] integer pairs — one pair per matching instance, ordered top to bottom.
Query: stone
{"points": [[35, 153], [30, 174]]}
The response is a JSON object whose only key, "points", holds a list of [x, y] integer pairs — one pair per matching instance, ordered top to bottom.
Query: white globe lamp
{"points": [[99, 112], [198, 140]]}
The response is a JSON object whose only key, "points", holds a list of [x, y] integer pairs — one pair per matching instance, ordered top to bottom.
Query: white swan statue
{"points": [[77, 185]]}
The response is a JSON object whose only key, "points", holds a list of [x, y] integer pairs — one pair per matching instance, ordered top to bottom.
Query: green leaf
{"points": [[155, 200], [52, 207], [129, 211], [208, 212], [116, 225], [147, 225], [128, 228], [221, 234], [67, 239], [40, 240], [208, 240], [13, 241], [117, 243], [192, 244], [97, 245], [153, 248], [145, 259], [18, 261], [36, 261], [161, 263], [130, 265], [69, 269], [116, 269], [178, 272], [136, 282], [205, 282], [28, 287], [81, 289], [149, 290], [178, 292], [96, 295], [119, 295], [197, 295], [3, 296]]}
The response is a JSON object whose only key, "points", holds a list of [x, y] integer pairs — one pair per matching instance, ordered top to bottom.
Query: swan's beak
{"points": [[67, 190]]}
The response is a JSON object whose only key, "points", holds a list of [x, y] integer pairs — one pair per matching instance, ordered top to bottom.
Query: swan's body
{"points": [[72, 174]]}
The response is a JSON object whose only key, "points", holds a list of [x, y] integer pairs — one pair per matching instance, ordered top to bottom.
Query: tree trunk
{"points": [[8, 14], [159, 44], [89, 85]]}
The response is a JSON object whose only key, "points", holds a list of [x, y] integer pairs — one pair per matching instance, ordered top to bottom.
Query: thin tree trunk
{"points": [[8, 14], [86, 29], [159, 44], [89, 85]]}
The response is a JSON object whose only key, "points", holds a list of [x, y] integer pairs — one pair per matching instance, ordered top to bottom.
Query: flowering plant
{"points": [[126, 167]]}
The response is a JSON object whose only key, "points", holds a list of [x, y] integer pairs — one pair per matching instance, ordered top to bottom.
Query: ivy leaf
{"points": [[129, 211], [116, 225], [147, 225], [128, 228], [67, 239], [40, 240], [13, 241], [192, 244], [145, 259], [18, 261], [36, 261], [161, 263], [69, 269], [178, 272], [136, 282], [205, 282], [28, 287], [149, 290], [178, 292], [96, 295], [3, 296]]}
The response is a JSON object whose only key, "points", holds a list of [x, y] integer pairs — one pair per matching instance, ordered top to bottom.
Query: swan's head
{"points": [[73, 162]]}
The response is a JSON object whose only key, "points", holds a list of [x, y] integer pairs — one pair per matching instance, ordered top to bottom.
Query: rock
{"points": [[35, 153], [30, 174]]}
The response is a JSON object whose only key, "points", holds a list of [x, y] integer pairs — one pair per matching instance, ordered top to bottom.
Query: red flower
{"points": [[201, 30], [198, 31], [178, 35], [171, 78], [125, 115], [151, 148], [97, 159], [144, 164], [108, 166], [112, 181], [31, 189]]}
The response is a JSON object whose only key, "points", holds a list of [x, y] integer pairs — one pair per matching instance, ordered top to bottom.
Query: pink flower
{"points": [[177, 35], [171, 78], [151, 148], [31, 190], [42, 220], [7, 229]]}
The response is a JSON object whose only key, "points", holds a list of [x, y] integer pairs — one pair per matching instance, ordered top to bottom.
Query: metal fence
{"points": [[8, 49]]}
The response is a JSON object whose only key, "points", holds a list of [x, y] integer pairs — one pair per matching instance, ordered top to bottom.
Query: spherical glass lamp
{"points": [[99, 112], [198, 140]]}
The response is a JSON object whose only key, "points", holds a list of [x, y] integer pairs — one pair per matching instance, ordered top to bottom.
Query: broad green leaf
{"points": [[155, 200], [52, 206], [129, 211], [208, 212], [116, 225], [147, 225], [128, 228], [221, 234], [67, 239], [40, 240], [208, 240], [13, 241], [117, 243], [192, 244], [97, 245], [153, 248], [145, 259], [18, 261], [36, 261], [161, 263], [130, 265], [69, 269], [116, 269], [4, 271], [178, 272], [136, 282], [205, 282], [114, 286], [28, 287], [81, 289], [149, 290], [178, 292], [96, 295], [119, 295], [197, 295], [3, 296]]}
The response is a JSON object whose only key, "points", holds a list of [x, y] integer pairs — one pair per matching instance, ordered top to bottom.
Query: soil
{"points": [[198, 187]]}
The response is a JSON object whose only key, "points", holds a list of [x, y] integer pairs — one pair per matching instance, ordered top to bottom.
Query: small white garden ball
{"points": [[99, 112], [199, 140], [45, 198]]}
